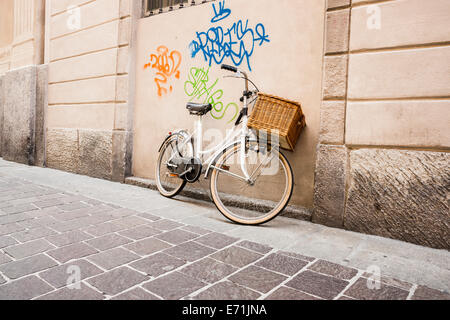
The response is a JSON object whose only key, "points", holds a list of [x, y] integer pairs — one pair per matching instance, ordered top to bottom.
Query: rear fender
{"points": [[178, 132]]}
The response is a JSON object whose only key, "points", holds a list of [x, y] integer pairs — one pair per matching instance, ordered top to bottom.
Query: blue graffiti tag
{"points": [[221, 14], [236, 43]]}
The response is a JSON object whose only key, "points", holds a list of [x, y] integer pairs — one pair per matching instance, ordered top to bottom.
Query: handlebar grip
{"points": [[229, 68]]}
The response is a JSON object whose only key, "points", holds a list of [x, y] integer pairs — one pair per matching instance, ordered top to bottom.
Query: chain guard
{"points": [[188, 169]]}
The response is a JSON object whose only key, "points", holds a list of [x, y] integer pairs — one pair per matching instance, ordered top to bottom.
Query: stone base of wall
{"points": [[2, 95], [23, 102], [41, 105], [19, 110], [99, 154], [329, 190], [391, 193], [401, 195]]}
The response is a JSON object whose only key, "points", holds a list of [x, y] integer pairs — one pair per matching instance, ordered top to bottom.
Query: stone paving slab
{"points": [[6, 241], [62, 246], [28, 249], [113, 258], [157, 264], [282, 264], [20, 268], [209, 270], [58, 276], [258, 279], [116, 281], [317, 284], [174, 286], [24, 289], [227, 290], [360, 290], [83, 293], [286, 293], [136, 294]]}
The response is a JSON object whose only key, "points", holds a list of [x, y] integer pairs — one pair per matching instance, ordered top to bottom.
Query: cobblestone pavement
{"points": [[47, 235]]}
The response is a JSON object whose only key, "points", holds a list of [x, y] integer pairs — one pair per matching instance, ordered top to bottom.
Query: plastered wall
{"points": [[282, 45]]}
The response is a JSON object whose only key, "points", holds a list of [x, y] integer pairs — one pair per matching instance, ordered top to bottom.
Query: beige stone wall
{"points": [[6, 22], [6, 33], [22, 33], [89, 51], [399, 76], [385, 134]]}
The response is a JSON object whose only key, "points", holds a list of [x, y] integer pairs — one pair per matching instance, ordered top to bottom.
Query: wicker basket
{"points": [[272, 113]]}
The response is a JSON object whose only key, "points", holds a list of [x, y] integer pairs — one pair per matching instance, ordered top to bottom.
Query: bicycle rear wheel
{"points": [[169, 185], [252, 203]]}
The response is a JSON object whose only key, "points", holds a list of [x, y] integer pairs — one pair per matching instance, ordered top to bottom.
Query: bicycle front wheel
{"points": [[259, 200]]}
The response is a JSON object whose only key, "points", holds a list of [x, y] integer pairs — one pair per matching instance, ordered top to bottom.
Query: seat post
{"points": [[199, 140]]}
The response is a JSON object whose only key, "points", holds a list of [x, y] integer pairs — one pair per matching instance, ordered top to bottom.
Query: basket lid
{"points": [[278, 98]]}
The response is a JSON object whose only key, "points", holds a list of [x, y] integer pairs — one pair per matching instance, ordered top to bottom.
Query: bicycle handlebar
{"points": [[229, 68], [246, 95]]}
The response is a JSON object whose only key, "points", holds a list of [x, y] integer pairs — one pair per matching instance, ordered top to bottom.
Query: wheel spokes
{"points": [[251, 201]]}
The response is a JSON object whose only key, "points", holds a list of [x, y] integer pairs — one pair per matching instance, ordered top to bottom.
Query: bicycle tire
{"points": [[181, 183], [267, 217]]}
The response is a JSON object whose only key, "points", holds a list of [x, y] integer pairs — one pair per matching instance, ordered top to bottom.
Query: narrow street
{"points": [[127, 242]]}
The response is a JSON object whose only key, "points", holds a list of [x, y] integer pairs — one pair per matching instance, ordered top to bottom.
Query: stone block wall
{"points": [[21, 33], [2, 97], [90, 99], [22, 105], [19, 114], [383, 157]]}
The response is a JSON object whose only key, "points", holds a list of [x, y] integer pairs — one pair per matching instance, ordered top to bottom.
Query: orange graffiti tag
{"points": [[166, 64]]}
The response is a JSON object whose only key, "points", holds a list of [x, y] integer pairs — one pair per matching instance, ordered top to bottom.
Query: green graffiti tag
{"points": [[198, 87]]}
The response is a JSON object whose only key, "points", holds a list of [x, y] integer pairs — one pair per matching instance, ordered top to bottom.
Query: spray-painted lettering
{"points": [[220, 14], [237, 43], [166, 65], [199, 88]]}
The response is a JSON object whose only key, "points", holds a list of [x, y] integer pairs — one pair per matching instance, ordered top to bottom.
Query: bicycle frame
{"points": [[239, 134], [208, 157], [188, 158]]}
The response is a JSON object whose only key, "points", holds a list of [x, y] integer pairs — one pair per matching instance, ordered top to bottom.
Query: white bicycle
{"points": [[251, 180]]}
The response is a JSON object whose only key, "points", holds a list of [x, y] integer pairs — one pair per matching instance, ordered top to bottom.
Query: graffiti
{"points": [[221, 14], [236, 43], [166, 65], [199, 87]]}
